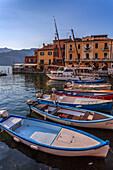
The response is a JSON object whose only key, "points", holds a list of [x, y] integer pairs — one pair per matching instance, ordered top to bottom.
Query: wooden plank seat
{"points": [[41, 106], [54, 112]]}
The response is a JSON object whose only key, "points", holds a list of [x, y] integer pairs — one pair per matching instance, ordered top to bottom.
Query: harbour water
{"points": [[15, 90]]}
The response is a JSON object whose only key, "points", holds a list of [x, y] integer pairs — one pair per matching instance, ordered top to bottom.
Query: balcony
{"points": [[87, 49], [106, 49], [71, 50], [86, 59], [96, 59], [72, 60]]}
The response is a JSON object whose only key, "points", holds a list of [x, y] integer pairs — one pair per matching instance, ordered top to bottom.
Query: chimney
{"points": [[70, 37], [44, 45]]}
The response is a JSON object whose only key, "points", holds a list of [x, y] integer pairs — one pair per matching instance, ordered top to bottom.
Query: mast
{"points": [[58, 39], [75, 44]]}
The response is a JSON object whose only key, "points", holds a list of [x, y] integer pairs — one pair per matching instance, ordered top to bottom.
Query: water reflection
{"points": [[15, 90], [47, 160]]}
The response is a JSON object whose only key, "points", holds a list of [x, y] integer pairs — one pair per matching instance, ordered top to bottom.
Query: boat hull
{"points": [[75, 78], [85, 95], [106, 106], [103, 124], [96, 152]]}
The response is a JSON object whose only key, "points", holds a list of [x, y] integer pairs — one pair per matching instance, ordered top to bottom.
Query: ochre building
{"points": [[94, 50]]}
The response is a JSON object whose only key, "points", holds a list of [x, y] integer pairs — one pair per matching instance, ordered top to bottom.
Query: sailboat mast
{"points": [[58, 40], [75, 44]]}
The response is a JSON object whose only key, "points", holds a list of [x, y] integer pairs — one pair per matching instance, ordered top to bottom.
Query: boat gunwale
{"points": [[77, 121], [102, 142]]}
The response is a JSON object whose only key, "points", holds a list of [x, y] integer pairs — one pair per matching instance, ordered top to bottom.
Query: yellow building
{"points": [[94, 50], [44, 56]]}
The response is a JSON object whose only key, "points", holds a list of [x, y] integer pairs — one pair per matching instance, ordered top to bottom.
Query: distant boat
{"points": [[75, 73], [3, 74], [90, 82], [105, 86], [88, 90], [93, 95], [84, 103], [70, 116], [53, 138]]}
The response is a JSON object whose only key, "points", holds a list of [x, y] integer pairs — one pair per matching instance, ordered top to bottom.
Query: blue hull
{"points": [[86, 81], [97, 107]]}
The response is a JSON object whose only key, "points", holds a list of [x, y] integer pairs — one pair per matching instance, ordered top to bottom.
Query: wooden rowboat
{"points": [[93, 95], [84, 103], [72, 117], [53, 138]]}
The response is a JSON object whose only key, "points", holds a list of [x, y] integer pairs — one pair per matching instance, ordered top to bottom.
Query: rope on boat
{"points": [[111, 150]]}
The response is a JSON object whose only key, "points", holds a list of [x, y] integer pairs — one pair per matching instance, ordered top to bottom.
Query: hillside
{"points": [[10, 56]]}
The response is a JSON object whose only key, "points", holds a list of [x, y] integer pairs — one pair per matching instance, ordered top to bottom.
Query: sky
{"points": [[28, 24]]}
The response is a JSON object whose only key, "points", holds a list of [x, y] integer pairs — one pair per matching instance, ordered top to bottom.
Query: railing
{"points": [[87, 49], [105, 49]]}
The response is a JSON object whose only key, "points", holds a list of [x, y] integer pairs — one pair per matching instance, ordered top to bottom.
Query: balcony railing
{"points": [[87, 49], [106, 49]]}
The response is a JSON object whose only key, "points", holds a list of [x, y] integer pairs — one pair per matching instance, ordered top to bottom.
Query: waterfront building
{"points": [[94, 50], [44, 56], [30, 62]]}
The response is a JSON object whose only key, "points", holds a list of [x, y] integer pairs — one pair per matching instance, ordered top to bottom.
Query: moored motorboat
{"points": [[93, 95], [84, 103], [72, 116], [53, 138]]}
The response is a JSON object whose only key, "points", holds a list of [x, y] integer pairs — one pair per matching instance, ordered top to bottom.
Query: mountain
{"points": [[10, 56]]}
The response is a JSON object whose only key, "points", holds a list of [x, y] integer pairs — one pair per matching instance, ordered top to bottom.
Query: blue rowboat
{"points": [[87, 81], [94, 95], [84, 103], [71, 116], [53, 138]]}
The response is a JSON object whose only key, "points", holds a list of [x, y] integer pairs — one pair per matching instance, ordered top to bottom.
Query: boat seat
{"points": [[41, 106], [54, 112]]}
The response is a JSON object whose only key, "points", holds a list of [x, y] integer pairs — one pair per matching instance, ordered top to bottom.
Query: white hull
{"points": [[68, 77], [99, 152]]}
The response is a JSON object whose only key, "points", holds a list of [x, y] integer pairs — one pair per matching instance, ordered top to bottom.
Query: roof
{"points": [[99, 35]]}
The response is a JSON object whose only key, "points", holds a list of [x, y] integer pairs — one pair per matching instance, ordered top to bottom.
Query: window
{"points": [[87, 45], [96, 45], [105, 45], [56, 46], [63, 46], [78, 46], [71, 47], [41, 53], [50, 53], [96, 55], [105, 55], [70, 56], [79, 56], [87, 56], [29, 60], [34, 60], [41, 61], [49, 61]]}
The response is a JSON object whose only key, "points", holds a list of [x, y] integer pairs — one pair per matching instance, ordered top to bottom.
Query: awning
{"points": [[18, 64], [30, 64]]}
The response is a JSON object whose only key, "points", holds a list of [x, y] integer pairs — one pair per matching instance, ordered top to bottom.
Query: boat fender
{"points": [[53, 90], [39, 95], [29, 102], [78, 106], [3, 114], [16, 139], [34, 147]]}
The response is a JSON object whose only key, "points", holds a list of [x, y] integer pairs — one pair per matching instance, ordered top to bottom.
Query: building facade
{"points": [[94, 50], [44, 56]]}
